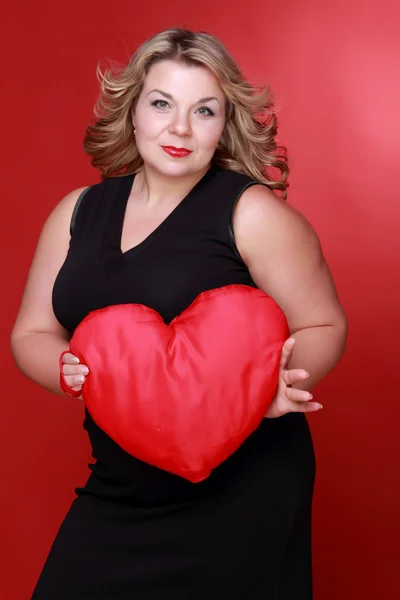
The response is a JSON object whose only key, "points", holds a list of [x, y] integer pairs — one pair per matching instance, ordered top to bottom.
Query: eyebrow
{"points": [[171, 97]]}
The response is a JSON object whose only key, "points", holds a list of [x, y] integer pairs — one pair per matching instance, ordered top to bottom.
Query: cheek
{"points": [[149, 122], [151, 127], [209, 134]]}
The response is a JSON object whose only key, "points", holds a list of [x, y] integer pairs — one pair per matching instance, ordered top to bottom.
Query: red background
{"points": [[335, 69]]}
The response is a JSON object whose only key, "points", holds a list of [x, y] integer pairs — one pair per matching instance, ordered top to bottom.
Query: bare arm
{"points": [[284, 257], [37, 338]]}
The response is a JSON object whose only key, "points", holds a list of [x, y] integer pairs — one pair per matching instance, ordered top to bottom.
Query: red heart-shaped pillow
{"points": [[184, 396]]}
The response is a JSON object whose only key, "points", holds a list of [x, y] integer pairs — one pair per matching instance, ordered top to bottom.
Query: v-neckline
{"points": [[117, 217], [111, 254]]}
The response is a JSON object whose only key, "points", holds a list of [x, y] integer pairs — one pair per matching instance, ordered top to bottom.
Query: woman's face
{"points": [[182, 107]]}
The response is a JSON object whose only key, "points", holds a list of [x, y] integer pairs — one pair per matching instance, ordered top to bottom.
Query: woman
{"points": [[185, 205]]}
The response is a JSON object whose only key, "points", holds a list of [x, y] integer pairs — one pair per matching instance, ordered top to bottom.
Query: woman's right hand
{"points": [[73, 372]]}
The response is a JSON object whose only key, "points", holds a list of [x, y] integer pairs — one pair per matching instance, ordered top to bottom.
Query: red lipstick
{"points": [[176, 152]]}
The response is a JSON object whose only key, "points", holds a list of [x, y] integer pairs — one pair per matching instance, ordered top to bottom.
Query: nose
{"points": [[180, 125]]}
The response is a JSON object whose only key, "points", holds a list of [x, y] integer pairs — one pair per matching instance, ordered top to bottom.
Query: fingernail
{"points": [[75, 360], [84, 370], [80, 378], [311, 397], [320, 406]]}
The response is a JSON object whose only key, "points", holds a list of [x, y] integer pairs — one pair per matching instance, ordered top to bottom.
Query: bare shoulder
{"points": [[62, 213], [261, 215], [56, 229], [284, 256], [36, 312]]}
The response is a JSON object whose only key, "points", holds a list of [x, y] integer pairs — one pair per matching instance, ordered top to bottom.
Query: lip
{"points": [[176, 152]]}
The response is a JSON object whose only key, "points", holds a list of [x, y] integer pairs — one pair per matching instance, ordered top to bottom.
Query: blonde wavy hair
{"points": [[248, 141]]}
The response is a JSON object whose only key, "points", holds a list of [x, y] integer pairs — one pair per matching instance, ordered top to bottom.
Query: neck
{"points": [[154, 187]]}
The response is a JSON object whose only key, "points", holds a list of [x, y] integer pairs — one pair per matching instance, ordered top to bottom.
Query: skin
{"points": [[277, 243]]}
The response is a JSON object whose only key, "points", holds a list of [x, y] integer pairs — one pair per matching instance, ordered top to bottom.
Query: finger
{"points": [[287, 351], [70, 359], [75, 370], [290, 376], [72, 380], [77, 388], [295, 395], [306, 407]]}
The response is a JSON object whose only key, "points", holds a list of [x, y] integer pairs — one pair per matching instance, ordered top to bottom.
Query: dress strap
{"points": [[76, 209]]}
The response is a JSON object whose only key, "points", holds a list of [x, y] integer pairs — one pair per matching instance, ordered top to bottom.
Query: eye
{"points": [[157, 103], [164, 104], [209, 111]]}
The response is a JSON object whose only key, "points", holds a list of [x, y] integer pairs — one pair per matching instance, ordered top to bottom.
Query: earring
{"points": [[134, 131]]}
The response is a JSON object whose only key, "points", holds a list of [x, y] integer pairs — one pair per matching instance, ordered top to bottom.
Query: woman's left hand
{"points": [[288, 399]]}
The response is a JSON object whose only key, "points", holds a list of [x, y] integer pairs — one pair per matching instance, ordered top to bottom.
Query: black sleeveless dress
{"points": [[135, 532]]}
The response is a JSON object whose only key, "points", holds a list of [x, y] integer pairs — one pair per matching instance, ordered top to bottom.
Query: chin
{"points": [[172, 167], [175, 169]]}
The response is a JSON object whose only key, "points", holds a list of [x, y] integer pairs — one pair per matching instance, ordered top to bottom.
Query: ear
{"points": [[133, 116]]}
